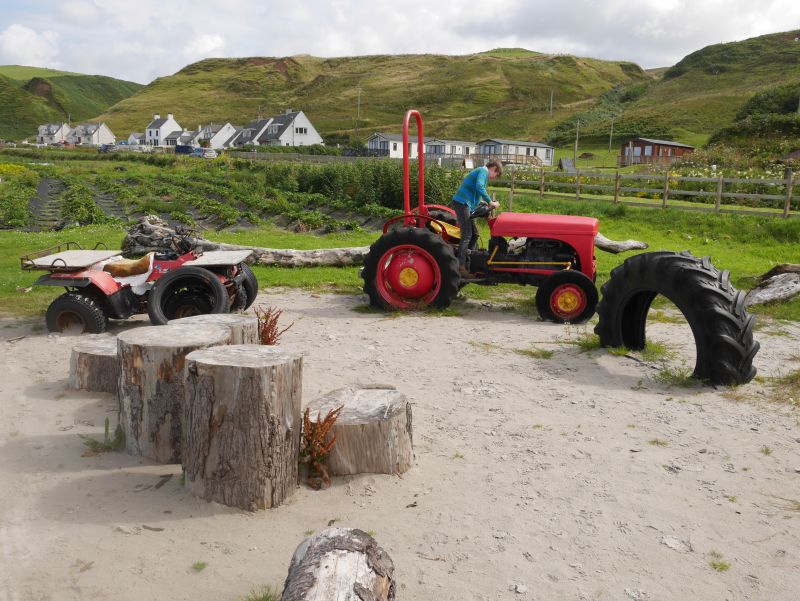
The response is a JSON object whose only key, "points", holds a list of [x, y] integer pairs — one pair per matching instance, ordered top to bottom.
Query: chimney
{"points": [[288, 111], [169, 115], [156, 117]]}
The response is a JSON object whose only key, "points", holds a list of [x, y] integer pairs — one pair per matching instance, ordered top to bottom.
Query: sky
{"points": [[140, 40]]}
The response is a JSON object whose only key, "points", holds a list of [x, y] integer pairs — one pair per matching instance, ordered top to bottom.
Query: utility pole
{"points": [[551, 102], [798, 106], [358, 112], [577, 134]]}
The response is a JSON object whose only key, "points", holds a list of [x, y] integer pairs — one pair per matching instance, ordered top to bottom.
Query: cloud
{"points": [[20, 45], [204, 46]]}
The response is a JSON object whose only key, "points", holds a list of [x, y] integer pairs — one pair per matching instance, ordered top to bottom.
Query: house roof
{"points": [[283, 122], [156, 123], [214, 127], [51, 128], [86, 129], [137, 134], [175, 135], [399, 137], [445, 141], [515, 142], [664, 142]]}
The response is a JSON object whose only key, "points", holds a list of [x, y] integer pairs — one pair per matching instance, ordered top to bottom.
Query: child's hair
{"points": [[497, 165]]}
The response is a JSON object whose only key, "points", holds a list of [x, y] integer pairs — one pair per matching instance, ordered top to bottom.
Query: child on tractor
{"points": [[467, 198]]}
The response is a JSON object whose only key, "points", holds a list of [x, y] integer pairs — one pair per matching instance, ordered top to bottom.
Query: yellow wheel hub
{"points": [[408, 277], [567, 301]]}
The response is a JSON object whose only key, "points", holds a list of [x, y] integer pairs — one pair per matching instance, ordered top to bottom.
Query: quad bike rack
{"points": [[29, 262]]}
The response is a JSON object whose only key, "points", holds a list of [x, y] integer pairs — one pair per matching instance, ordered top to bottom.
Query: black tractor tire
{"points": [[442, 215], [431, 243], [569, 277], [250, 285], [183, 291], [715, 311], [73, 312]]}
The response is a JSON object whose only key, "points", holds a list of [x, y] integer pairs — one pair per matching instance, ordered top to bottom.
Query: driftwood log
{"points": [[152, 234], [781, 283], [243, 328], [93, 365], [151, 385], [241, 425], [373, 431], [340, 564]]}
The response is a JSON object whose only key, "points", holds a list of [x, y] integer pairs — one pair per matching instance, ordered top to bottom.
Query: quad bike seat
{"points": [[128, 267]]}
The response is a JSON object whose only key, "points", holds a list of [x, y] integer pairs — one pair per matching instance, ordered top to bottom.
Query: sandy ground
{"points": [[534, 478]]}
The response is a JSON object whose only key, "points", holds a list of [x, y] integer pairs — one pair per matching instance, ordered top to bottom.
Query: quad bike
{"points": [[414, 263], [101, 284]]}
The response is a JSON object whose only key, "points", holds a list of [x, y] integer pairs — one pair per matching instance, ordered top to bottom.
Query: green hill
{"points": [[704, 91], [503, 92], [30, 96]]}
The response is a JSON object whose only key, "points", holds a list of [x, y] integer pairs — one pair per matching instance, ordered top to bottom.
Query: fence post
{"points": [[541, 183], [578, 184], [616, 187], [789, 189], [511, 193], [665, 195], [718, 200]]}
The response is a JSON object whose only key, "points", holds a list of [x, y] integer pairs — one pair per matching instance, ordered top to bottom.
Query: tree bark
{"points": [[617, 246], [778, 288], [243, 328], [93, 365], [151, 385], [242, 425], [373, 431], [340, 564]]}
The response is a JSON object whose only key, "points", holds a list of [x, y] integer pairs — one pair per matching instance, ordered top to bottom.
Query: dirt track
{"points": [[574, 477]]}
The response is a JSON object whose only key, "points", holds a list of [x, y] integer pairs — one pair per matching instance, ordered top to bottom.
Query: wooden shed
{"points": [[647, 150]]}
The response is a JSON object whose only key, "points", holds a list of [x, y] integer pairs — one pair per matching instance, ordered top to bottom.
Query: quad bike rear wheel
{"points": [[410, 268], [250, 285], [184, 292], [567, 296], [75, 313], [722, 328]]}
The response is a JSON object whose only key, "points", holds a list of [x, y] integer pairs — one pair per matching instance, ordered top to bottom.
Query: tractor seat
{"points": [[440, 227], [127, 267]]}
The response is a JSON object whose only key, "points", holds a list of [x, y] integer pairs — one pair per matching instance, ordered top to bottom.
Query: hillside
{"points": [[704, 91], [504, 92], [30, 96]]}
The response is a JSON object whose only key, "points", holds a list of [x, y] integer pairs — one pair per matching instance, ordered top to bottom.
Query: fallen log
{"points": [[152, 234], [779, 269], [778, 288], [340, 564]]}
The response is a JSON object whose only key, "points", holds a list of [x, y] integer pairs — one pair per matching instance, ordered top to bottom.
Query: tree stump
{"points": [[244, 328], [93, 365], [151, 385], [242, 424], [373, 431], [340, 563]]}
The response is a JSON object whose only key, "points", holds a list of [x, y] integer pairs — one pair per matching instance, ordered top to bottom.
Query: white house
{"points": [[292, 128], [158, 129], [252, 132], [52, 133], [91, 134], [218, 135], [136, 138], [391, 145], [437, 147], [515, 151]]}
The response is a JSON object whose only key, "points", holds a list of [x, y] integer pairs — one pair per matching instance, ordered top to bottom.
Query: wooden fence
{"points": [[613, 186]]}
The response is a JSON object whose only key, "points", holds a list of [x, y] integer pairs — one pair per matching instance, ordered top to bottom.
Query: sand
{"points": [[574, 477]]}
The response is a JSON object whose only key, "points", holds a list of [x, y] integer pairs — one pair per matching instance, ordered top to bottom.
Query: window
{"points": [[300, 130], [394, 145], [452, 149], [466, 150], [637, 151], [648, 151], [528, 152], [547, 154]]}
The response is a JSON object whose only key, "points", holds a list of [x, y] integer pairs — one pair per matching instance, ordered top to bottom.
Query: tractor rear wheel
{"points": [[410, 268], [185, 292], [567, 296], [75, 313], [722, 328]]}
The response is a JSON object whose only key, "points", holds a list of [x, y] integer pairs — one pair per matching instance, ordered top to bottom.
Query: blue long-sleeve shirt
{"points": [[473, 189]]}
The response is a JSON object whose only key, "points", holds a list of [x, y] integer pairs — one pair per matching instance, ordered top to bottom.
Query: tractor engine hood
{"points": [[534, 225]]}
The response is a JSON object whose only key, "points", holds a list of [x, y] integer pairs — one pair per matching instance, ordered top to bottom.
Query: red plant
{"points": [[268, 332], [316, 445]]}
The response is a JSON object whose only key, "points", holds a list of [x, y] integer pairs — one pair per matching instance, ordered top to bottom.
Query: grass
{"points": [[535, 353], [680, 377], [786, 388], [658, 442], [766, 450], [717, 562], [199, 566], [266, 593]]}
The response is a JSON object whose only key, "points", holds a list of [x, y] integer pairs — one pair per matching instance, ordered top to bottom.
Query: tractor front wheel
{"points": [[410, 268], [566, 297]]}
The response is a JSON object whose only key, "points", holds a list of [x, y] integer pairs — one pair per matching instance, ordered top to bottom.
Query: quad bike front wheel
{"points": [[410, 268], [185, 292], [566, 297], [75, 313]]}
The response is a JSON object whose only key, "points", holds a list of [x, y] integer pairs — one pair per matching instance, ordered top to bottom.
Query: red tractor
{"points": [[413, 264], [101, 284]]}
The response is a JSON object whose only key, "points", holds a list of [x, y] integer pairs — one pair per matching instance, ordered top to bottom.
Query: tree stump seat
{"points": [[244, 328], [93, 365], [373, 430]]}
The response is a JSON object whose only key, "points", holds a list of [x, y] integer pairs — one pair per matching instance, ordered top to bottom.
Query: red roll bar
{"points": [[420, 159]]}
